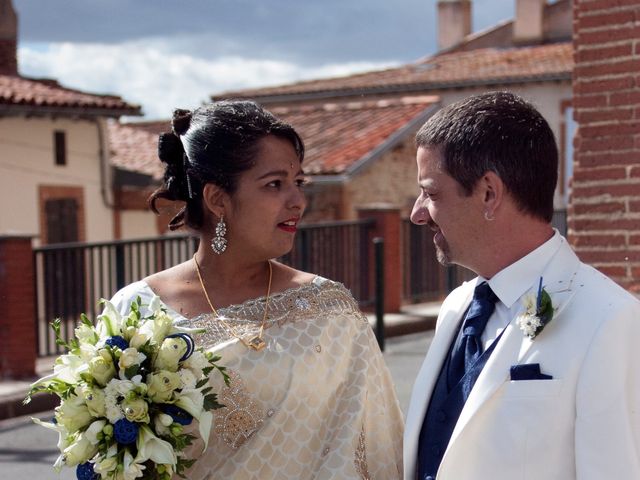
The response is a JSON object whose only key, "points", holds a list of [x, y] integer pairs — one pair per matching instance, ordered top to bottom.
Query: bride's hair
{"points": [[215, 144]]}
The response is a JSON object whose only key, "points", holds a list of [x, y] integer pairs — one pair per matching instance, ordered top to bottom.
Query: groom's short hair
{"points": [[502, 133]]}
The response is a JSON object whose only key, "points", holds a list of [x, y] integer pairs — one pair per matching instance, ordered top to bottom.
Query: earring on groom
{"points": [[488, 217], [219, 242]]}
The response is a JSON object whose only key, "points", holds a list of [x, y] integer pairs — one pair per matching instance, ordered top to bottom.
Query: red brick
{"points": [[586, 6], [605, 18], [628, 32], [600, 53], [608, 69], [604, 86], [625, 98], [590, 101], [603, 115], [626, 128], [607, 144], [635, 171], [587, 174], [613, 189], [605, 207], [634, 207], [600, 224], [634, 239], [598, 240], [607, 256], [613, 271]]}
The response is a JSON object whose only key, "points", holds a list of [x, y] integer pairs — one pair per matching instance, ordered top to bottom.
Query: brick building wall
{"points": [[604, 214]]}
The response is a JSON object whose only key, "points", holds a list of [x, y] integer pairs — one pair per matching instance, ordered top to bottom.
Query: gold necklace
{"points": [[255, 343]]}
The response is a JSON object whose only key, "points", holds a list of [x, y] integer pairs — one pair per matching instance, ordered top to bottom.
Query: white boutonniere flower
{"points": [[538, 312]]}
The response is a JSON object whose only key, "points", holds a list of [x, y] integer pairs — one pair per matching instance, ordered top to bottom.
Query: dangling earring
{"points": [[488, 217], [218, 242]]}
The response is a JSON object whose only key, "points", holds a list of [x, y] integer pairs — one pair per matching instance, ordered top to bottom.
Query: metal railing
{"points": [[70, 278]]}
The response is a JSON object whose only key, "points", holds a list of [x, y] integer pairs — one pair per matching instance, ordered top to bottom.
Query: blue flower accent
{"points": [[188, 340], [117, 341], [179, 415], [125, 432], [84, 471]]}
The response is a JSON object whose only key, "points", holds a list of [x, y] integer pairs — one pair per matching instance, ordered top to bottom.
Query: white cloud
{"points": [[143, 72]]}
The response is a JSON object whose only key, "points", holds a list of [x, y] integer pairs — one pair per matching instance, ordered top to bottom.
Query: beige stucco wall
{"points": [[27, 161], [390, 179], [138, 224]]}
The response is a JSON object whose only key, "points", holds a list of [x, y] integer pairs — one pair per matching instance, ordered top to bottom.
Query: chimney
{"points": [[454, 22], [528, 25], [8, 39]]}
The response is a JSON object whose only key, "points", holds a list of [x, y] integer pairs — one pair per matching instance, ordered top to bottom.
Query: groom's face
{"points": [[443, 206]]}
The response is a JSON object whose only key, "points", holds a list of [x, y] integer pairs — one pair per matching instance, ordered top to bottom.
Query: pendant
{"points": [[256, 343]]}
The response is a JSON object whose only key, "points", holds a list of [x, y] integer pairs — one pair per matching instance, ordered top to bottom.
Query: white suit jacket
{"points": [[583, 424]]}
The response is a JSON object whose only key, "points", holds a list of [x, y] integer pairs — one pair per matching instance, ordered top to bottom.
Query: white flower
{"points": [[109, 321], [529, 324], [158, 327], [86, 334], [138, 340], [130, 357], [196, 363], [69, 367], [101, 367], [189, 380], [162, 385], [121, 387], [95, 400], [192, 402], [73, 413], [162, 422], [94, 429], [63, 439], [153, 448], [79, 451], [106, 466], [132, 469]]}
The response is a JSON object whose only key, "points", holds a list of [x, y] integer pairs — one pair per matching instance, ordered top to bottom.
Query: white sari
{"points": [[317, 403]]}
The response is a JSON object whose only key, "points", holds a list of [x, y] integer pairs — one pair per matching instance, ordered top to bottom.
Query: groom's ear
{"points": [[493, 192]]}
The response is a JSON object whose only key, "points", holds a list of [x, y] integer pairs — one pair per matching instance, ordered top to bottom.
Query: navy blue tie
{"points": [[468, 347]]}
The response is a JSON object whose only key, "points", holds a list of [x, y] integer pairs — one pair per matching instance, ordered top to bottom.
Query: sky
{"points": [[163, 54]]}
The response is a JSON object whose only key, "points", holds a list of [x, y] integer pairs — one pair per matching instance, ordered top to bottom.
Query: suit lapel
{"points": [[513, 346], [426, 379]]}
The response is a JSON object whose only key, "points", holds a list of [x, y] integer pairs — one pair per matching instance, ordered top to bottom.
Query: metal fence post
{"points": [[378, 243], [120, 273]]}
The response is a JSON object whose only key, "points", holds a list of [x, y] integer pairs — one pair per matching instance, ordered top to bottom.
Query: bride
{"points": [[310, 396]]}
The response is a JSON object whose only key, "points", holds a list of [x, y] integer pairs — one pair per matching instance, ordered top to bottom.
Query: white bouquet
{"points": [[128, 386]]}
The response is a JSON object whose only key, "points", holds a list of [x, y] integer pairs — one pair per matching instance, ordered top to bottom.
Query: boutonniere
{"points": [[537, 314]]}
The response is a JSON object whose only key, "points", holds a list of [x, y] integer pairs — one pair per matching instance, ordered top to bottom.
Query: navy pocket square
{"points": [[528, 371]]}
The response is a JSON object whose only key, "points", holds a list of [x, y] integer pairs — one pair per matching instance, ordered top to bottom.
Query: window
{"points": [[60, 147]]}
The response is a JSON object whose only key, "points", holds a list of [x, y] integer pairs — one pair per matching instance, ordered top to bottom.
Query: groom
{"points": [[532, 373]]}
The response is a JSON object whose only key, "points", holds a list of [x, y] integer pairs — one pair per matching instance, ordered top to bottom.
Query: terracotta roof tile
{"points": [[477, 67], [26, 92], [336, 135], [134, 149]]}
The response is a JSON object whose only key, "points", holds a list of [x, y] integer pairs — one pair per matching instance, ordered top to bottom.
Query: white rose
{"points": [[157, 328], [138, 340], [170, 353], [130, 357], [101, 368], [161, 385], [94, 399], [136, 410], [73, 413], [79, 451]]}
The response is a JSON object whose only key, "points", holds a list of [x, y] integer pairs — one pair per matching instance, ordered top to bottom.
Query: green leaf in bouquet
{"points": [[85, 320], [131, 371], [202, 383], [204, 391], [211, 402]]}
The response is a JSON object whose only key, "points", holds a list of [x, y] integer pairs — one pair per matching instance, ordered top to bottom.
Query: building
{"points": [[55, 172]]}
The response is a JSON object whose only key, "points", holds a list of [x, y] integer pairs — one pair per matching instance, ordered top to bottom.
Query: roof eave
{"points": [[410, 88], [60, 111]]}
